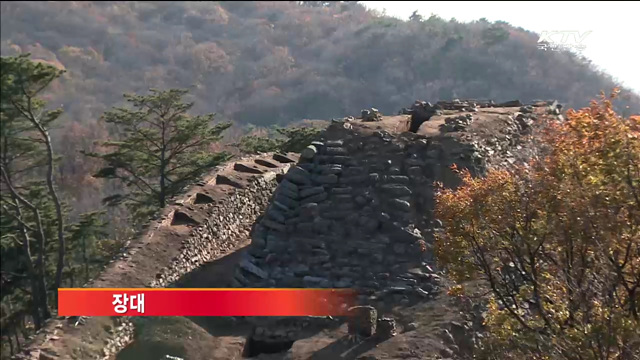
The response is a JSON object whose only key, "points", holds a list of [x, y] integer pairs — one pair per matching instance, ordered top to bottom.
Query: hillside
{"points": [[277, 62], [266, 63]]}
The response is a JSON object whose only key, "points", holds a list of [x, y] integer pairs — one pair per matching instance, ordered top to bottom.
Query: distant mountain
{"points": [[277, 62]]}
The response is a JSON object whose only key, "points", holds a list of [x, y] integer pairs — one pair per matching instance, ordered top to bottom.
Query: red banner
{"points": [[204, 302]]}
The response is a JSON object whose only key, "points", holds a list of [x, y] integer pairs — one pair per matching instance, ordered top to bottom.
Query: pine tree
{"points": [[161, 149], [26, 150], [33, 216]]}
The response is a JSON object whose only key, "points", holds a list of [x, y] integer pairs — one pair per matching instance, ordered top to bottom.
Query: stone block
{"points": [[362, 321]]}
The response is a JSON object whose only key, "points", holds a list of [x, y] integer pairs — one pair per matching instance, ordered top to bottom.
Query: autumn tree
{"points": [[160, 150], [557, 242]]}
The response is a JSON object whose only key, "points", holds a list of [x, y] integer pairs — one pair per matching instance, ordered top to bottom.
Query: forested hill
{"points": [[277, 62]]}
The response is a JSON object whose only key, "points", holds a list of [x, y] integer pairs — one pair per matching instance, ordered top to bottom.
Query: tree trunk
{"points": [[28, 113], [163, 169], [58, 206], [85, 259], [36, 273], [44, 301], [37, 309], [10, 345]]}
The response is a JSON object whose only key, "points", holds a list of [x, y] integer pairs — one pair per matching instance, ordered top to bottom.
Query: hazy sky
{"points": [[613, 43]]}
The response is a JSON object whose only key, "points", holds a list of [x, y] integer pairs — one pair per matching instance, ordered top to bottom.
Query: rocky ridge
{"points": [[353, 211]]}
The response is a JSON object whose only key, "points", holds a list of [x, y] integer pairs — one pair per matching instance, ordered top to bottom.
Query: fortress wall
{"points": [[353, 212], [211, 220]]}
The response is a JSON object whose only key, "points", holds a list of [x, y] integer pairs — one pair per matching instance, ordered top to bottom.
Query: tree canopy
{"points": [[161, 148], [557, 242]]}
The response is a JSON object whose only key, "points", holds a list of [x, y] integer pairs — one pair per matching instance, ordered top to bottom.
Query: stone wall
{"points": [[356, 210], [211, 220]]}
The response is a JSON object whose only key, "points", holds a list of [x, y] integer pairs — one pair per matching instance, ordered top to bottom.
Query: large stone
{"points": [[332, 151], [309, 152], [282, 158], [335, 159], [413, 162], [265, 163], [309, 166], [247, 169], [330, 169], [354, 171], [414, 172], [299, 176], [325, 179], [357, 179], [397, 179], [226, 180], [288, 185], [396, 189], [342, 190], [310, 191], [287, 192], [315, 198], [342, 198], [286, 201], [345, 205], [401, 205], [281, 207], [309, 210], [276, 215], [336, 215], [273, 225], [370, 225], [322, 226], [305, 227], [312, 241], [258, 242], [320, 259], [251, 268], [300, 270], [291, 281], [316, 282], [343, 283], [362, 321], [386, 328]]}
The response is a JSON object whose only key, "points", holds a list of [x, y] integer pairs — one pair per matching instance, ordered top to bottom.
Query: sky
{"points": [[606, 30]]}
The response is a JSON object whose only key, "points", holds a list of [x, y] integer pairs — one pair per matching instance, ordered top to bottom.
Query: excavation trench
{"points": [[183, 336], [158, 337], [256, 347]]}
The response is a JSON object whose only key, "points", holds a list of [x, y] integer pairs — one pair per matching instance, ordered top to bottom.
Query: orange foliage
{"points": [[558, 241]]}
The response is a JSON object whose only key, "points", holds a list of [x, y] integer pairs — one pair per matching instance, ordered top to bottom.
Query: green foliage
{"points": [[494, 35], [21, 81], [292, 139], [160, 150], [32, 216], [84, 239]]}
